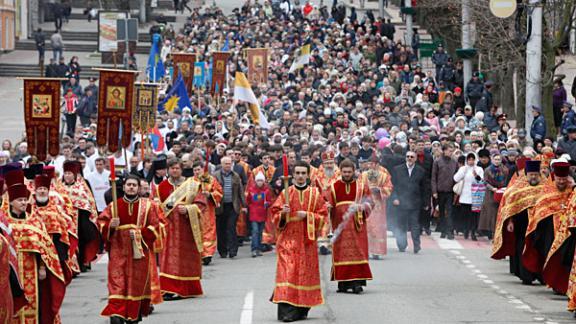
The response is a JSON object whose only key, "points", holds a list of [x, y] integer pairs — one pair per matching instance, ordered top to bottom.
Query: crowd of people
{"points": [[362, 140]]}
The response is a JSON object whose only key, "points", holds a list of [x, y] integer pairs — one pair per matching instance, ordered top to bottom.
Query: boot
{"points": [[116, 320]]}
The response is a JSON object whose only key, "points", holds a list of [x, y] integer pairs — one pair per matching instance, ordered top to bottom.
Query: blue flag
{"points": [[226, 46], [155, 66], [199, 75], [209, 76], [177, 97]]}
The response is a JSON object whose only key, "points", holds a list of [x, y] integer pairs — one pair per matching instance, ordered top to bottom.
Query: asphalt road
{"points": [[447, 282]]}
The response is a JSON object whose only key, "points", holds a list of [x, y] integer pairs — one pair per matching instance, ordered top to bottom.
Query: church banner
{"points": [[257, 59], [184, 63], [219, 72], [115, 106], [42, 116], [144, 116]]}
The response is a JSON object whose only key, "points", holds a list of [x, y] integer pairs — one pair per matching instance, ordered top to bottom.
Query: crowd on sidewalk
{"points": [[369, 140]]}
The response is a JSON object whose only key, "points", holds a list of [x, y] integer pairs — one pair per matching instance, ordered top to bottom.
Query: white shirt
{"points": [[410, 169], [466, 174], [100, 184]]}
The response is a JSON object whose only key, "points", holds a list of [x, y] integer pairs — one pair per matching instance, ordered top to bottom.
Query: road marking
{"points": [[446, 244], [103, 259], [247, 309]]}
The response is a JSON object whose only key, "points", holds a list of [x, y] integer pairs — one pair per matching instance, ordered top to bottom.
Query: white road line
{"points": [[446, 244], [103, 259], [247, 309]]}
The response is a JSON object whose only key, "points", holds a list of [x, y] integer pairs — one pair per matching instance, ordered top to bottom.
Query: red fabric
{"points": [[258, 200], [508, 243], [531, 259], [555, 274], [189, 289], [51, 298], [126, 308]]}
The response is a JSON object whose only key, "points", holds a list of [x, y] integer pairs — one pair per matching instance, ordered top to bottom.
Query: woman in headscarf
{"points": [[495, 177]]}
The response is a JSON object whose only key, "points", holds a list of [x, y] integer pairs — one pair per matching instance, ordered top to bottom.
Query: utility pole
{"points": [[381, 8], [142, 11], [409, 28], [127, 41], [466, 41], [534, 62]]}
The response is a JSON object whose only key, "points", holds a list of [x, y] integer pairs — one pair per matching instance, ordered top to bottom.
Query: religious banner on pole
{"points": [[257, 59], [219, 63], [184, 64], [115, 106], [144, 115], [42, 116]]}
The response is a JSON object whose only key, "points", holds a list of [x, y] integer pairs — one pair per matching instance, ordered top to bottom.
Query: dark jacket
{"points": [[439, 59], [474, 89], [485, 101], [569, 119], [538, 128], [568, 146], [443, 171], [408, 189], [238, 199]]}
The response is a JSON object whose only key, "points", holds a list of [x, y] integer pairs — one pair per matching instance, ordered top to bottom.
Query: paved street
{"points": [[448, 282]]}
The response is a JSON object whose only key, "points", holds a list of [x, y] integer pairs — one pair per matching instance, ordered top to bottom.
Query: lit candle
{"points": [[285, 164], [112, 171]]}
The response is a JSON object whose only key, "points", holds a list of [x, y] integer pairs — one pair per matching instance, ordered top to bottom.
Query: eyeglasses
{"points": [[410, 156]]}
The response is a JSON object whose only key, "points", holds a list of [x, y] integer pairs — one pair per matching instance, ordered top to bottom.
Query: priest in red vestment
{"points": [[326, 175], [380, 183], [212, 190], [350, 204], [86, 213], [512, 219], [298, 221], [55, 222], [543, 222], [128, 238], [181, 259], [39, 267], [12, 299]]}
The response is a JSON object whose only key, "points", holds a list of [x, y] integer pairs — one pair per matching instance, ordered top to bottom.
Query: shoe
{"points": [[428, 232], [443, 235], [465, 235], [450, 236], [474, 238], [266, 247], [417, 249], [324, 250], [402, 250], [258, 253], [254, 254], [223, 255], [232, 255], [206, 260], [526, 282], [341, 290], [357, 290], [169, 297]]}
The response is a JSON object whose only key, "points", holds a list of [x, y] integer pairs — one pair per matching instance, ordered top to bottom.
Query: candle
{"points": [[207, 159], [285, 164], [112, 171]]}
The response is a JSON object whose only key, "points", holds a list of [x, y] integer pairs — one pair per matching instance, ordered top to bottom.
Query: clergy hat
{"points": [[328, 155], [520, 162], [160, 164], [72, 166], [532, 166], [10, 167], [561, 169], [33, 170], [49, 170], [14, 177], [42, 180], [18, 191]]}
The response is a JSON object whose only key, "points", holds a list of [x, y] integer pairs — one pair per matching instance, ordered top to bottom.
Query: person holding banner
{"points": [[298, 214], [128, 237]]}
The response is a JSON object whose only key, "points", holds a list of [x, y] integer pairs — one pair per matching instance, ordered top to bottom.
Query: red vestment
{"points": [[323, 182], [381, 182], [212, 188], [517, 198], [83, 200], [550, 203], [57, 227], [32, 241], [350, 250], [181, 261], [129, 266], [297, 271], [9, 305]]}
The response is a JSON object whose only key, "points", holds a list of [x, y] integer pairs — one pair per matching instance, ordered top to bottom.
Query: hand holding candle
{"points": [[285, 164], [286, 175]]}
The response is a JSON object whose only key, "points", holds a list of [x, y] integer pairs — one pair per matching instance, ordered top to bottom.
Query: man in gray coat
{"points": [[233, 201]]}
